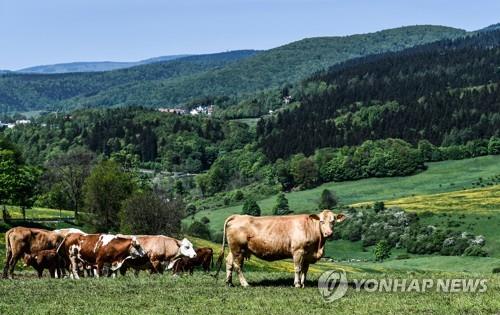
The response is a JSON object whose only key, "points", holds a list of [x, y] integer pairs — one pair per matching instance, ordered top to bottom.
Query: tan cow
{"points": [[300, 237], [21, 240], [99, 250], [160, 250]]}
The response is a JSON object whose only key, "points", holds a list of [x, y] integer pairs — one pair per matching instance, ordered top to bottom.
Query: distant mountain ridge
{"points": [[93, 66], [176, 82]]}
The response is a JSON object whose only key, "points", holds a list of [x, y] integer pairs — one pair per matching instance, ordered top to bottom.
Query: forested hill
{"points": [[92, 66], [175, 82], [20, 92], [446, 92]]}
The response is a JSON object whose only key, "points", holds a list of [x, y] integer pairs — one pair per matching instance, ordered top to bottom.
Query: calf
{"points": [[204, 258], [45, 259]]}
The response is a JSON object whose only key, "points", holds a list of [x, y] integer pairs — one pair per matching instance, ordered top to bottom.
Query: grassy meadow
{"points": [[271, 293]]}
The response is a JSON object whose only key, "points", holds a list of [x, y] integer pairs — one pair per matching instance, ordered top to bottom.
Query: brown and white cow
{"points": [[300, 237], [21, 240], [100, 250], [160, 250]]}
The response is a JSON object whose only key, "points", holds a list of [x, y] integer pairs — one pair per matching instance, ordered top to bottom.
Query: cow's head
{"points": [[327, 220], [186, 248], [135, 249], [29, 260]]}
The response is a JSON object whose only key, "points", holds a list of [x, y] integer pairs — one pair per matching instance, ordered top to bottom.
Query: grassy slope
{"points": [[439, 177]]}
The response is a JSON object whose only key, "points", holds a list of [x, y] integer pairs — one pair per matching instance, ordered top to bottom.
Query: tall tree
{"points": [[71, 169], [104, 191]]}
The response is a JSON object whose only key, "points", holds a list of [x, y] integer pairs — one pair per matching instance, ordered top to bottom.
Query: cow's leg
{"points": [[8, 258], [298, 262], [12, 264], [74, 266], [100, 266], [156, 266], [238, 267], [305, 268], [229, 269], [123, 270], [40, 272], [52, 272]]}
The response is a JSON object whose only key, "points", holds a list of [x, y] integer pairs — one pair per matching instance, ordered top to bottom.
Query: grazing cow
{"points": [[300, 237], [22, 240], [100, 250], [160, 250], [204, 258], [45, 259]]}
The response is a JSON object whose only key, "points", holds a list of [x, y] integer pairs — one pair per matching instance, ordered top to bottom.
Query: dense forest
{"points": [[232, 74], [445, 92], [143, 137]]}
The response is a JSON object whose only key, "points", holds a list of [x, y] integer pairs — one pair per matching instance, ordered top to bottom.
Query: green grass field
{"points": [[438, 178], [37, 213], [271, 293]]}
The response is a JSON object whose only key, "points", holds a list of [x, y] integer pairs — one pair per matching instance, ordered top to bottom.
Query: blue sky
{"points": [[34, 32]]}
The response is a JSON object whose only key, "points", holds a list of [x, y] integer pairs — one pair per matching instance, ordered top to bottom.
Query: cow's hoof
{"points": [[229, 284], [297, 285]]}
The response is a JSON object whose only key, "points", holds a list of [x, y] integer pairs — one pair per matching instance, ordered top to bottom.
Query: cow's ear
{"points": [[314, 217], [340, 217]]}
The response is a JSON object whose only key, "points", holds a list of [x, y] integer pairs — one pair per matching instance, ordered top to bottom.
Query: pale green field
{"points": [[438, 178], [37, 213]]}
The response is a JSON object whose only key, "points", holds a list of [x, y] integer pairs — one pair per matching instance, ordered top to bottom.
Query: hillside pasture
{"points": [[440, 177]]}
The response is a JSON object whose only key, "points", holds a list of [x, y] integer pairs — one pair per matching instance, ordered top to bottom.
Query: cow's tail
{"points": [[62, 242], [221, 256]]}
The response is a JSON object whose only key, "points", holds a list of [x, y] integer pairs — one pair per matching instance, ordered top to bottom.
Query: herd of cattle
{"points": [[300, 237], [78, 253]]}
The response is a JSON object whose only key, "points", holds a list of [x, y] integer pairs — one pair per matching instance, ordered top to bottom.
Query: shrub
{"points": [[238, 195], [329, 200], [378, 206], [251, 207], [281, 207], [205, 220], [199, 229], [382, 250], [475, 250], [496, 270]]}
